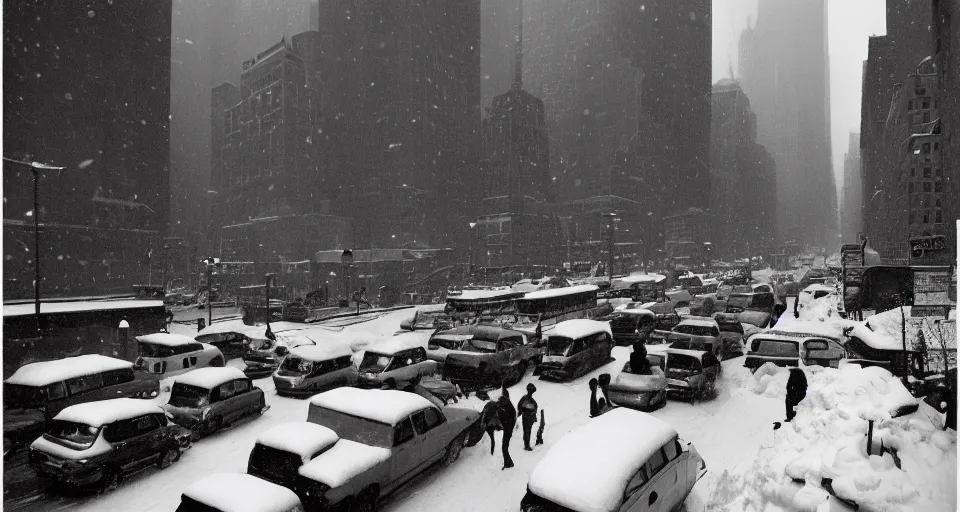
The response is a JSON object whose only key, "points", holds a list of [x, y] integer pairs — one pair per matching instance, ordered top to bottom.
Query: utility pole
{"points": [[268, 278]]}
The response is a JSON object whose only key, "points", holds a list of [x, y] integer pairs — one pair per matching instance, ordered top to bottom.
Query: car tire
{"points": [[217, 362], [212, 426], [453, 450], [168, 457], [110, 480], [366, 501]]}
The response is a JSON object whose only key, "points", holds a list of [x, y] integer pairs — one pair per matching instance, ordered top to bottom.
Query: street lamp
{"points": [[35, 168], [470, 256], [210, 263]]}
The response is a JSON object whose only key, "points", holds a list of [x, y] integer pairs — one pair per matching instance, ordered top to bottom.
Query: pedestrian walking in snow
{"points": [[796, 391], [594, 406], [527, 409], [508, 420], [490, 422]]}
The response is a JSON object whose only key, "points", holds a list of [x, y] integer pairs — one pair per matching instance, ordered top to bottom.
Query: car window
{"points": [[193, 347], [419, 355], [710, 360], [344, 362], [113, 377], [84, 384], [242, 386], [56, 390], [227, 390], [433, 418], [419, 422], [146, 424], [121, 430], [402, 432], [672, 449], [656, 462], [637, 482]]}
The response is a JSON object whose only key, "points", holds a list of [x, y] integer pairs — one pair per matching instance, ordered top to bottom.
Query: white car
{"points": [[174, 354], [281, 451], [622, 461], [237, 492]]}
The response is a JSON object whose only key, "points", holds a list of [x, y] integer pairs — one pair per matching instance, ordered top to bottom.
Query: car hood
{"points": [[639, 383], [461, 415], [345, 460]]}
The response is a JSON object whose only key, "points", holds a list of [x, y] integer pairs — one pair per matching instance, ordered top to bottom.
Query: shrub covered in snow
{"points": [[828, 439]]}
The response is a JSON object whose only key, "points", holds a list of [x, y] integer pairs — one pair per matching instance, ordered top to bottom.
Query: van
{"points": [[576, 347], [790, 349], [174, 354], [395, 363], [309, 369], [38, 391]]}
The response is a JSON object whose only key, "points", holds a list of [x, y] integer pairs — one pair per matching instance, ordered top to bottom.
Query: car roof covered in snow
{"points": [[642, 278], [818, 287], [560, 292], [485, 294], [636, 311], [700, 321], [579, 328], [809, 328], [166, 339], [875, 339], [398, 343], [321, 353], [696, 354], [48, 372], [211, 377], [379, 405], [103, 412], [300, 437], [613, 447], [344, 461], [239, 492]]}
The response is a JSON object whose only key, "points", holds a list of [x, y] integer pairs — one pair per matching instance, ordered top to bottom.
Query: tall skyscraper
{"points": [[785, 73], [851, 196]]}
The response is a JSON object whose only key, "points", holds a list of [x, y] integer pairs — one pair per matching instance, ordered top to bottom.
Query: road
{"points": [[727, 430]]}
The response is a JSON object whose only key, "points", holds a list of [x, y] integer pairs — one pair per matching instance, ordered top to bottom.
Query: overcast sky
{"points": [[851, 22]]}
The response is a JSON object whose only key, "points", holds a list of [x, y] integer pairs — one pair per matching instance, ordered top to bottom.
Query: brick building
{"points": [[86, 87], [743, 179], [851, 196], [684, 237]]}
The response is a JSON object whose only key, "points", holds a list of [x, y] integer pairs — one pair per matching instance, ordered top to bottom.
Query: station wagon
{"points": [[576, 347], [174, 354], [395, 363], [308, 370], [209, 398]]}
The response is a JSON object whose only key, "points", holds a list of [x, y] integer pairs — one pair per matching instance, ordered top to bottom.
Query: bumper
{"points": [[257, 369], [556, 372], [365, 383], [680, 388], [298, 392], [634, 399], [186, 420], [46, 468]]}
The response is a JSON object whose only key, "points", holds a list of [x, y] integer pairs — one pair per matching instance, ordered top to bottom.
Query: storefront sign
{"points": [[932, 287]]}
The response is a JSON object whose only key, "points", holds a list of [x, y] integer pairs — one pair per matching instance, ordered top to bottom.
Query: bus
{"points": [[487, 304], [559, 304]]}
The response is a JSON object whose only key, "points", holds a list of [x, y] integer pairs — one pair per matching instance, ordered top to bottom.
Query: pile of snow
{"points": [[824, 309], [827, 439]]}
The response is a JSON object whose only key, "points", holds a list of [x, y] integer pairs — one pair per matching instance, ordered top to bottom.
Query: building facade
{"points": [[947, 61], [785, 71], [86, 88], [742, 178], [851, 196], [685, 237]]}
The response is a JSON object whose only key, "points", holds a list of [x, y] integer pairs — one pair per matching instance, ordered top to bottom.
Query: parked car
{"points": [[818, 291], [751, 301], [427, 318], [667, 319], [631, 325], [697, 333], [731, 335], [443, 342], [575, 347], [790, 349], [174, 354], [263, 356], [492, 356], [395, 363], [308, 370], [691, 374], [637, 391], [36, 392], [209, 398], [387, 437], [103, 442], [280, 451], [653, 468], [237, 492]]}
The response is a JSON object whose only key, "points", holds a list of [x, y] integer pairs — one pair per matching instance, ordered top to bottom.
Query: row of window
{"points": [[924, 103], [927, 172], [926, 185], [926, 217]]}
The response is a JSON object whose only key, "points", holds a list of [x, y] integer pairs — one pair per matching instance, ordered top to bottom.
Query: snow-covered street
{"points": [[727, 430]]}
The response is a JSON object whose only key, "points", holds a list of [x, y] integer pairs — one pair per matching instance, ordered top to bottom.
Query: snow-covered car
{"points": [[818, 291], [427, 318], [631, 325], [697, 333], [731, 334], [443, 342], [576, 347], [790, 348], [174, 354], [262, 357], [491, 357], [395, 363], [310, 369], [691, 373], [637, 391], [36, 392], [209, 398], [387, 437], [102, 442], [280, 451], [624, 460], [237, 492]]}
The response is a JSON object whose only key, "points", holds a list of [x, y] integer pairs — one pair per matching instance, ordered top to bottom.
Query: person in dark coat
{"points": [[638, 359], [604, 383], [796, 391], [594, 406], [527, 410], [508, 420], [490, 422]]}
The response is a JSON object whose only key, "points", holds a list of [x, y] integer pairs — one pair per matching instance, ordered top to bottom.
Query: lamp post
{"points": [[35, 168], [470, 256], [210, 263], [268, 278]]}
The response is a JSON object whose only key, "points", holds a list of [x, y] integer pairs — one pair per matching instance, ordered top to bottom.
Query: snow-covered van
{"points": [[576, 347], [174, 354], [491, 357], [395, 363], [310, 369], [691, 373], [36, 392], [209, 398], [387, 437], [102, 442], [280, 451], [636, 462], [237, 492]]}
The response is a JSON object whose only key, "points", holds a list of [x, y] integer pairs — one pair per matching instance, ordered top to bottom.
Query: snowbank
{"points": [[827, 439]]}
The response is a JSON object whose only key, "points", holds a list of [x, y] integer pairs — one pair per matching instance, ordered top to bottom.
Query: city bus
{"points": [[559, 304]]}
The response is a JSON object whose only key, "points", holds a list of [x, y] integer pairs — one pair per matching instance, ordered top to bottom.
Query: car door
{"points": [[247, 400], [227, 405], [431, 439], [135, 441], [404, 455], [661, 491]]}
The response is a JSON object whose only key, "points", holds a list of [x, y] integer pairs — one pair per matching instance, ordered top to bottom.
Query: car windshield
{"points": [[738, 301], [429, 320], [697, 330], [447, 343], [480, 346], [559, 346], [779, 348], [152, 350], [374, 363], [296, 365], [682, 365], [184, 395], [18, 396], [353, 428], [72, 434], [272, 464]]}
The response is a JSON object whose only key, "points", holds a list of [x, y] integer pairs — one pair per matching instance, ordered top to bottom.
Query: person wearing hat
{"points": [[527, 409]]}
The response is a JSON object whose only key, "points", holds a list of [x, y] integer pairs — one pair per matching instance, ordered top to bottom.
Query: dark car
{"points": [[752, 301], [632, 325], [731, 334], [492, 356], [263, 357], [38, 391], [206, 399], [102, 442]]}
